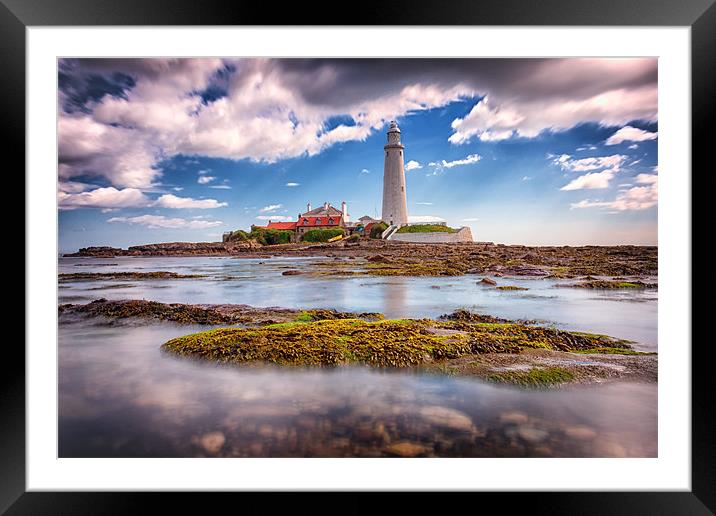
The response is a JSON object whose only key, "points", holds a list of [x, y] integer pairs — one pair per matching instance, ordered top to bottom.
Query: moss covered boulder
{"points": [[327, 339]]}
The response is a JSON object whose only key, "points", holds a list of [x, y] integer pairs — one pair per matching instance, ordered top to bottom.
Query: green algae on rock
{"points": [[611, 284], [203, 314], [383, 343], [534, 377]]}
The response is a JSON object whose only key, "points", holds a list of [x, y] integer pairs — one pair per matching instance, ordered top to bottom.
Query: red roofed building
{"points": [[324, 217], [308, 223], [283, 226]]}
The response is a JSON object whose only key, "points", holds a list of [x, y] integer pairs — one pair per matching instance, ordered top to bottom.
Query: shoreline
{"points": [[383, 258]]}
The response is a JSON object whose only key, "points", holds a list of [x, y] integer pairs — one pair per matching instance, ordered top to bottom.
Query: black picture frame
{"points": [[17, 15]]}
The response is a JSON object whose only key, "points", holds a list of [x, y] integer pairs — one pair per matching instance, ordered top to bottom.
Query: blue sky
{"points": [[522, 151]]}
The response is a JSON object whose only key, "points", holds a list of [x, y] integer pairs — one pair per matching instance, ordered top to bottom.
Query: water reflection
{"points": [[630, 314], [120, 396]]}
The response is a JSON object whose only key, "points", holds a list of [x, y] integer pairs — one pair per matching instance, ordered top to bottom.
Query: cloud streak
{"points": [[630, 134], [468, 160], [162, 222]]}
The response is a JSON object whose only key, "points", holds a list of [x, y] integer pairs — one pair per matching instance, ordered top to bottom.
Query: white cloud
{"points": [[557, 95], [528, 119], [485, 123], [630, 134], [633, 146], [124, 157], [472, 158], [613, 162], [412, 165], [365, 171], [526, 178], [647, 179], [202, 180], [590, 181], [292, 184], [220, 187], [178, 188], [108, 197], [113, 198], [636, 198], [172, 201], [424, 203], [270, 207], [275, 218], [424, 218], [470, 219], [162, 222]]}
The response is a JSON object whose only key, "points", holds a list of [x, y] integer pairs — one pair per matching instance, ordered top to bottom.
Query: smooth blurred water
{"points": [[628, 314], [120, 396]]}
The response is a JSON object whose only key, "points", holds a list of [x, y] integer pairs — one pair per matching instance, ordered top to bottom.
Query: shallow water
{"points": [[627, 314], [119, 395]]}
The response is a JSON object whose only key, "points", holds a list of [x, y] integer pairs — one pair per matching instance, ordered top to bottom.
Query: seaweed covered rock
{"points": [[91, 276], [611, 284], [215, 314], [471, 317], [385, 343]]}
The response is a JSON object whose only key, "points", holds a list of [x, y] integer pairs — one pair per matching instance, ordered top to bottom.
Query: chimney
{"points": [[325, 205], [308, 207]]}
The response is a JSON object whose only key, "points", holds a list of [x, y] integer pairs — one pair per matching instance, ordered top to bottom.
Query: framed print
{"points": [[427, 252]]}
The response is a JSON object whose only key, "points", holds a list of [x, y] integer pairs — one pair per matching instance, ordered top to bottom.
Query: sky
{"points": [[523, 151]]}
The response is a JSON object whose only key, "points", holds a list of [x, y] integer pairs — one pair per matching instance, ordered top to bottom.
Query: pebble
{"points": [[513, 417], [446, 418], [266, 431], [583, 433], [532, 435], [212, 442], [407, 449], [610, 449]]}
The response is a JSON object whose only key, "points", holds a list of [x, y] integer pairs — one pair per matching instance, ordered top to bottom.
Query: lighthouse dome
{"points": [[394, 127]]}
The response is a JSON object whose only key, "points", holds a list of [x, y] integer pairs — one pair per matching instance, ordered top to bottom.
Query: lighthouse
{"points": [[395, 206]]}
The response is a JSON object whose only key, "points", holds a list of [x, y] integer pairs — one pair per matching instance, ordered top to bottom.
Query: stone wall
{"points": [[463, 235]]}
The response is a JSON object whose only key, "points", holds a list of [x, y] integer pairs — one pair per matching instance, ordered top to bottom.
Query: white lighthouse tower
{"points": [[395, 206]]}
